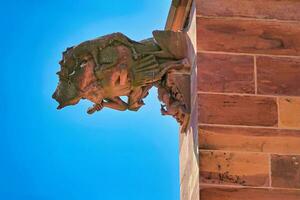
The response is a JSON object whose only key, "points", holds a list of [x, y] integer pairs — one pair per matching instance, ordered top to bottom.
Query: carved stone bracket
{"points": [[106, 68]]}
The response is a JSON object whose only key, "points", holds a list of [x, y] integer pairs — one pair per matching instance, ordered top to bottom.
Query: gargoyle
{"points": [[109, 67]]}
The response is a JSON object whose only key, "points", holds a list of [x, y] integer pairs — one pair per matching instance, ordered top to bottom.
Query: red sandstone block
{"points": [[263, 9], [248, 36], [225, 73], [277, 75], [237, 110], [289, 112], [249, 139], [247, 169], [286, 171], [248, 194]]}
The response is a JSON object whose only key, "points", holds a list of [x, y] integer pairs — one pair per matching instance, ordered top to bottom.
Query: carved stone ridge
{"points": [[106, 68]]}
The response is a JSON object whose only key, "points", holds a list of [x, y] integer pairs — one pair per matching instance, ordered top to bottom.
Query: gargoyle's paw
{"points": [[98, 107], [94, 108], [91, 110]]}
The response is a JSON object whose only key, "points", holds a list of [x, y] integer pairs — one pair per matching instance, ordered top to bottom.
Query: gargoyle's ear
{"points": [[58, 73]]}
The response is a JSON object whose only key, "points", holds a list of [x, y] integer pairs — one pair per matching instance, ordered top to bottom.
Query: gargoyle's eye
{"points": [[69, 82]]}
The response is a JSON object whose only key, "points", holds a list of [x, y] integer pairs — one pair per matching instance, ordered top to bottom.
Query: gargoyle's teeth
{"points": [[72, 73]]}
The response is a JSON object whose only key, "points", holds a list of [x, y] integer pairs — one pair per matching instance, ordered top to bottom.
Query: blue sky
{"points": [[49, 154]]}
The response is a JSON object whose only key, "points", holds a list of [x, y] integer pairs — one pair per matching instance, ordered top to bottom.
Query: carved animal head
{"points": [[106, 68], [75, 75]]}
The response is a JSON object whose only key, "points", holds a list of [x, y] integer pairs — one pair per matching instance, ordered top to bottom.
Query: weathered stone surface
{"points": [[262, 9], [248, 36], [108, 67], [225, 73], [277, 75], [237, 110], [289, 112], [257, 122], [249, 139], [189, 166], [251, 169], [286, 171], [196, 191], [248, 194]]}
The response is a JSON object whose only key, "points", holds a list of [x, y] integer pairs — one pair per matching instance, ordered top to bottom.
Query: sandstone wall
{"points": [[249, 99]]}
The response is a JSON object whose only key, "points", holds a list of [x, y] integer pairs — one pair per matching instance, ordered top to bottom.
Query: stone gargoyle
{"points": [[109, 67]]}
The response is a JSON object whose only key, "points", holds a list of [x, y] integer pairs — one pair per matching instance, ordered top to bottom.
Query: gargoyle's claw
{"points": [[94, 108], [91, 110]]}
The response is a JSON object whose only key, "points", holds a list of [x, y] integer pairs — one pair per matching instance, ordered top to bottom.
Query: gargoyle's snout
{"points": [[66, 95], [56, 97], [63, 103]]}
